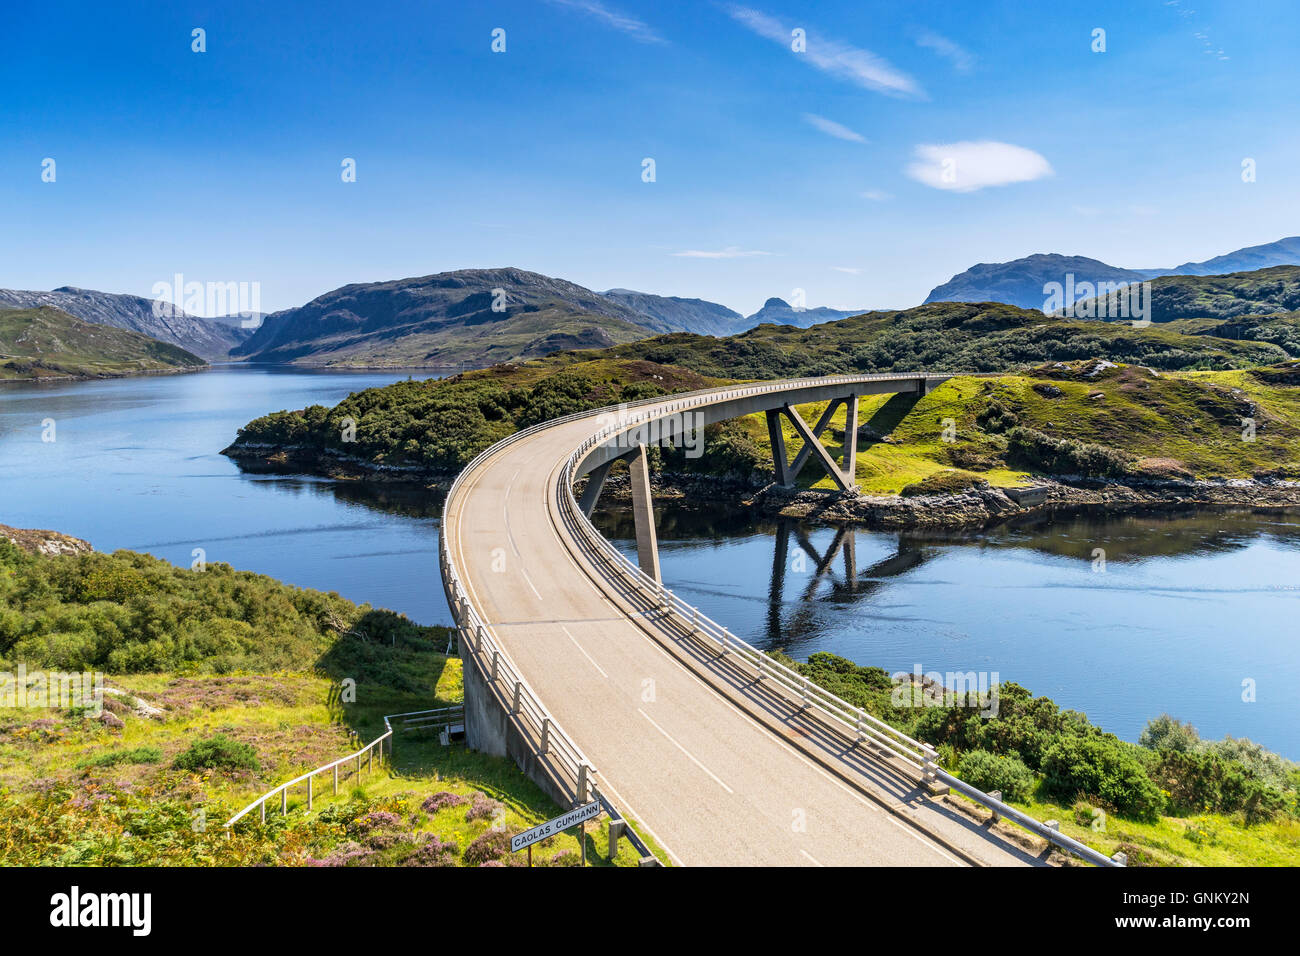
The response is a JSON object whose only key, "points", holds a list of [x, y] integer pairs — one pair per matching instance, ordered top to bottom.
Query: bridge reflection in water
{"points": [[820, 562]]}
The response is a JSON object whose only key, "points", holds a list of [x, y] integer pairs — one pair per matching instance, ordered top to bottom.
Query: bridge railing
{"points": [[853, 720]]}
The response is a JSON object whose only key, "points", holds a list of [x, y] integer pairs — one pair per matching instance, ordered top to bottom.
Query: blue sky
{"points": [[775, 170]]}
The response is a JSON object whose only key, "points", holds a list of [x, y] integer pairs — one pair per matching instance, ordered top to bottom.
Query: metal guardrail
{"points": [[416, 719], [864, 726]]}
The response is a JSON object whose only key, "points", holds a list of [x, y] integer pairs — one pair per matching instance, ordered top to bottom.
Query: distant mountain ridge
{"points": [[1021, 281], [780, 312], [670, 313], [466, 316], [206, 338], [45, 343]]}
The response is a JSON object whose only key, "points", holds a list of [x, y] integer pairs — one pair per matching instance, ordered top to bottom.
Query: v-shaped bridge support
{"points": [[843, 475]]}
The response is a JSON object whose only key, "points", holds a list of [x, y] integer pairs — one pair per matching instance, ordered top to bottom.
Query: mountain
{"points": [[1284, 252], [1021, 281], [1218, 297], [780, 312], [664, 313], [444, 320], [206, 338], [46, 343]]}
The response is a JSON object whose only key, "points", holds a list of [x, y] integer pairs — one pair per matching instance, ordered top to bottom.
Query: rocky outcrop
{"points": [[45, 542]]}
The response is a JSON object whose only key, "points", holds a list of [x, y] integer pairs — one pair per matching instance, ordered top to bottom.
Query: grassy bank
{"points": [[221, 685], [1170, 800]]}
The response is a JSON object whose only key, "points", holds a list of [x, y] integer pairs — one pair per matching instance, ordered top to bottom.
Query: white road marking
{"points": [[584, 652], [672, 741]]}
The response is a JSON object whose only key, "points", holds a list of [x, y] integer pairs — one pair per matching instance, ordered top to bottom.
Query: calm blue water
{"points": [[136, 465], [1186, 609]]}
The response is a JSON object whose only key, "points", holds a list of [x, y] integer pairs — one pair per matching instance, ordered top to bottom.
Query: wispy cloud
{"points": [[633, 27], [839, 59], [962, 60], [832, 128], [966, 167], [876, 195], [731, 252], [849, 269]]}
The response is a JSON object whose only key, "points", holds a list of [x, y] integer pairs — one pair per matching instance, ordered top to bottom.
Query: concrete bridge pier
{"points": [[843, 474], [643, 514]]}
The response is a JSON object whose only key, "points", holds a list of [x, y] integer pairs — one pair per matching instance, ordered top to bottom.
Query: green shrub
{"points": [[1065, 456], [947, 482], [1166, 733], [218, 752], [111, 758], [1105, 769], [990, 772], [1201, 782]]}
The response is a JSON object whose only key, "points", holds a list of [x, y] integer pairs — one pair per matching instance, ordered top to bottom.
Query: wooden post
{"points": [[336, 780], [309, 794], [284, 801], [582, 839], [530, 854]]}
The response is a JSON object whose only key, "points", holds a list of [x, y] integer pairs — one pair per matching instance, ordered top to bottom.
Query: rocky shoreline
{"points": [[1063, 496]]}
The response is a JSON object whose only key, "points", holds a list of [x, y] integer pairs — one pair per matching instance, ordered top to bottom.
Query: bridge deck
{"points": [[714, 777]]}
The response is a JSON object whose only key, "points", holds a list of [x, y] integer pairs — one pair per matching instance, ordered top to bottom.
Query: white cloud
{"points": [[624, 24], [841, 60], [961, 60], [832, 128], [966, 167], [876, 195], [731, 252], [849, 269]]}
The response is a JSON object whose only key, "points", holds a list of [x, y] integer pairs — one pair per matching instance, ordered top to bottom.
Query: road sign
{"points": [[552, 827]]}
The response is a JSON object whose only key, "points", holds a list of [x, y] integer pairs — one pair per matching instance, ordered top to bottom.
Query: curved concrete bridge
{"points": [[594, 678]]}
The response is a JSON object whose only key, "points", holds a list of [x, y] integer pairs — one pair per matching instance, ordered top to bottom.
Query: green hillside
{"points": [[45, 343], [219, 685]]}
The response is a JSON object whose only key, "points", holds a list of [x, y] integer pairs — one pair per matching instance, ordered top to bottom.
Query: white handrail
{"points": [[283, 788]]}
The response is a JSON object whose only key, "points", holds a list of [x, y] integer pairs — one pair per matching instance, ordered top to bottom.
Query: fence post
{"points": [[496, 664], [519, 689], [860, 728], [546, 735], [929, 754], [336, 780], [584, 783], [310, 794], [996, 795], [284, 801], [263, 810], [615, 831]]}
